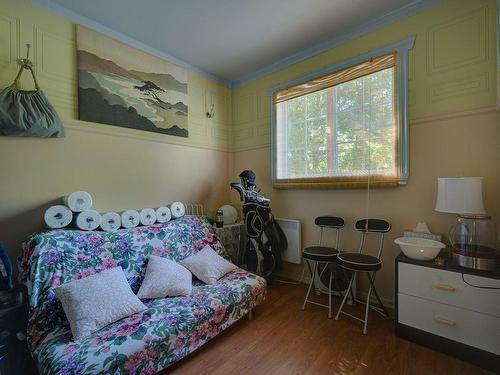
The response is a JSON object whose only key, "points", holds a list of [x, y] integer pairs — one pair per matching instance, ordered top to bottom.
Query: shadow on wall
{"points": [[203, 197], [15, 229]]}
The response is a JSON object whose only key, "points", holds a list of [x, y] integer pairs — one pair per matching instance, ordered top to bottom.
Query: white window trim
{"points": [[402, 48]]}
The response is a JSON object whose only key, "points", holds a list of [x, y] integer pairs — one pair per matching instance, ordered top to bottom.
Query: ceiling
{"points": [[232, 39]]}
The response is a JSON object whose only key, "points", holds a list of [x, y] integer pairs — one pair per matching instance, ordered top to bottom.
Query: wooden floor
{"points": [[283, 339]]}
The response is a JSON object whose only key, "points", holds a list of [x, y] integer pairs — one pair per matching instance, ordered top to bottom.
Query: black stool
{"points": [[323, 255], [359, 262]]}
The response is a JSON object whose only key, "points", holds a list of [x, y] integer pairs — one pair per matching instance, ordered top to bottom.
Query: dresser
{"points": [[442, 307]]}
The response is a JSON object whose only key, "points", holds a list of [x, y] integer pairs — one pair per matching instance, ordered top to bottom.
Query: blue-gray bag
{"points": [[28, 113]]}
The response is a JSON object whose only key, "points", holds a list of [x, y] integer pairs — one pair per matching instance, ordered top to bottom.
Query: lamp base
{"points": [[477, 257]]}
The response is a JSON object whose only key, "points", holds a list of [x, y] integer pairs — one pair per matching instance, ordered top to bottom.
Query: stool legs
{"points": [[346, 276], [310, 284], [372, 286], [330, 296], [345, 296], [367, 303], [367, 308]]}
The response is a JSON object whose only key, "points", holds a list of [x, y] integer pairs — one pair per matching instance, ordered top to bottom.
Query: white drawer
{"points": [[448, 287], [465, 326]]}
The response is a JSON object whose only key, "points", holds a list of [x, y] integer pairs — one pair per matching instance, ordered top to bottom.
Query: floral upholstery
{"points": [[143, 343]]}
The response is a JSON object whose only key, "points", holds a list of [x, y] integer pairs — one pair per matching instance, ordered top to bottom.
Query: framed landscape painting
{"points": [[122, 86]]}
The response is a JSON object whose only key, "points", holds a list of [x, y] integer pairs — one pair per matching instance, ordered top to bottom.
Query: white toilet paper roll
{"points": [[78, 201], [177, 209], [163, 214], [148, 216], [58, 217], [130, 218], [87, 220], [110, 221]]}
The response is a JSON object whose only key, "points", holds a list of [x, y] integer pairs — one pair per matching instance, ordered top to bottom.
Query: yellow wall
{"points": [[454, 126], [454, 130], [122, 168]]}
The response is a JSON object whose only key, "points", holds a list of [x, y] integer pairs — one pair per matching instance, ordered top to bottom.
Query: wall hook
{"points": [[26, 63], [211, 112]]}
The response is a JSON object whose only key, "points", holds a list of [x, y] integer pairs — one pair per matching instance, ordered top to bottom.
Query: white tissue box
{"points": [[429, 236]]}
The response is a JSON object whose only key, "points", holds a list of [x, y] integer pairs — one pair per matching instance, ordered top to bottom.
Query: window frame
{"points": [[401, 49]]}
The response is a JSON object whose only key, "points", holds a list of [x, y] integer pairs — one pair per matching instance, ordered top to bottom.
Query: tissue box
{"points": [[429, 236]]}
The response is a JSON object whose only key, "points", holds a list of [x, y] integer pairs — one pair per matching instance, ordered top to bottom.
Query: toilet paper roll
{"points": [[78, 201], [177, 209], [163, 214], [148, 216], [58, 217], [130, 218], [87, 220], [110, 221]]}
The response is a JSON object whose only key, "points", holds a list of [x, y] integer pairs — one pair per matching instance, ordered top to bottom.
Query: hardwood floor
{"points": [[283, 339]]}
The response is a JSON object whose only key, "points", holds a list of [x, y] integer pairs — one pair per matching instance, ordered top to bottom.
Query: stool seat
{"points": [[320, 253], [359, 262]]}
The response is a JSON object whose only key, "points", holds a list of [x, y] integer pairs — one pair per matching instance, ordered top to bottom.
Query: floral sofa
{"points": [[143, 343]]}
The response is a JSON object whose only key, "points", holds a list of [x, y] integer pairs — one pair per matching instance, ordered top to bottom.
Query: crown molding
{"points": [[77, 18], [385, 20]]}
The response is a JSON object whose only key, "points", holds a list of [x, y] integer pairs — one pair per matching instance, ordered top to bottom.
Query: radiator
{"points": [[293, 253]]}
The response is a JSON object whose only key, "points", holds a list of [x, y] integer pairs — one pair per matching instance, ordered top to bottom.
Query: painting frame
{"points": [[122, 86]]}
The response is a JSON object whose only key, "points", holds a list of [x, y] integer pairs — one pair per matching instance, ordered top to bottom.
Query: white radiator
{"points": [[292, 232]]}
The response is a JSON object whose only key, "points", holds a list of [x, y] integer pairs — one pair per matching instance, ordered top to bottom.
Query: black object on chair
{"points": [[323, 255], [364, 263]]}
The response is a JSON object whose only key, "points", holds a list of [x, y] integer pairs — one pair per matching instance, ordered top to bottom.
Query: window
{"points": [[342, 129]]}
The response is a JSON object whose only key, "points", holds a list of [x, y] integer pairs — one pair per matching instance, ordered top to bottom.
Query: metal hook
{"points": [[26, 63], [211, 112]]}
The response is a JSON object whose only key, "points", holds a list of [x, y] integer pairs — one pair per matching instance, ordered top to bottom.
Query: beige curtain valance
{"points": [[359, 70]]}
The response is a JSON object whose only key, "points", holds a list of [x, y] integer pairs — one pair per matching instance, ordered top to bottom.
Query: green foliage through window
{"points": [[344, 130]]}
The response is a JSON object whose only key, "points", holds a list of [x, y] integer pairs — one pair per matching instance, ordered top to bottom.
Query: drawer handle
{"points": [[444, 287], [448, 322]]}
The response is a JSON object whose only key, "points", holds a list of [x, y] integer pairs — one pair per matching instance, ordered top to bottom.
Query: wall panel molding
{"points": [[470, 30], [9, 39], [46, 45], [411, 64], [468, 86], [412, 98], [220, 103], [263, 105], [242, 109], [452, 115], [198, 128], [115, 131], [221, 134]]}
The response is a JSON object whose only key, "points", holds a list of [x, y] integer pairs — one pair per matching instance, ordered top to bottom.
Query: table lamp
{"points": [[473, 238]]}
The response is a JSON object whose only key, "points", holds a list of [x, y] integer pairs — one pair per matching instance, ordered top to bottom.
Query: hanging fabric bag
{"points": [[28, 113]]}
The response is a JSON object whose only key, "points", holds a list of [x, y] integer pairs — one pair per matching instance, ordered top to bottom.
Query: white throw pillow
{"points": [[207, 265], [165, 277], [97, 300]]}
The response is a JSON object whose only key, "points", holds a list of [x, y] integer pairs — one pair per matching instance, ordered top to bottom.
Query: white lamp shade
{"points": [[462, 195]]}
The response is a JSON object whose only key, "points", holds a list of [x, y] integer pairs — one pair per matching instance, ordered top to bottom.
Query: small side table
{"points": [[234, 238], [14, 354]]}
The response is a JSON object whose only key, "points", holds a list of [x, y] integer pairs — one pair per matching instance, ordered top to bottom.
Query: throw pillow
{"points": [[207, 265], [164, 277], [97, 300]]}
